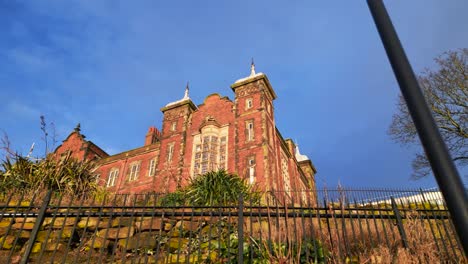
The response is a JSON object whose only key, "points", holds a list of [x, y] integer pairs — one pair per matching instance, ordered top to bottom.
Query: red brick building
{"points": [[239, 136]]}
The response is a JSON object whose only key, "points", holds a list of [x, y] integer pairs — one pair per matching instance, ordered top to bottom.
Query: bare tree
{"points": [[446, 92], [46, 134], [45, 138], [5, 146]]}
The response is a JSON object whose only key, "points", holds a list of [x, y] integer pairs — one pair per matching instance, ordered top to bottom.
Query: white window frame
{"points": [[248, 103], [174, 126], [250, 130], [210, 150], [170, 152], [251, 164], [152, 167], [134, 171], [113, 176]]}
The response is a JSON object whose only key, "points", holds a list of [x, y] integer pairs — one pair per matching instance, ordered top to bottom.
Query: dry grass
{"points": [[363, 240]]}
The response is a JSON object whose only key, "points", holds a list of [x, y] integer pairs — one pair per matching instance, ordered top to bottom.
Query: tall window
{"points": [[248, 103], [173, 126], [250, 130], [170, 152], [222, 153], [210, 155], [152, 167], [251, 169], [134, 171], [112, 179]]}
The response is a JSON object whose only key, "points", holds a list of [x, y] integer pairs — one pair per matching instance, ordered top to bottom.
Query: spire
{"points": [[252, 68], [186, 96]]}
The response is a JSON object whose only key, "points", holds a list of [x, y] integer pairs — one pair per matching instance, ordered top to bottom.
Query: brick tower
{"points": [[176, 120], [255, 129]]}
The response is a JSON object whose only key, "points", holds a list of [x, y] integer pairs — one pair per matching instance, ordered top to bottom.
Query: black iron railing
{"points": [[326, 226]]}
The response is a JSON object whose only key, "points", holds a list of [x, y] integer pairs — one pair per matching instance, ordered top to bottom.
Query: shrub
{"points": [[66, 175], [220, 188], [177, 198]]}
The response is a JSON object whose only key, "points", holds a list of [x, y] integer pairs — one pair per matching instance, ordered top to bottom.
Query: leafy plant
{"points": [[65, 175], [220, 188], [177, 198]]}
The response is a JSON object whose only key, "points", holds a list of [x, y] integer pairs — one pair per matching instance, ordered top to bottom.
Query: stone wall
{"points": [[101, 239]]}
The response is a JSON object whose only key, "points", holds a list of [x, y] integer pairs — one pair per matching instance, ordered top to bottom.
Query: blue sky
{"points": [[111, 65]]}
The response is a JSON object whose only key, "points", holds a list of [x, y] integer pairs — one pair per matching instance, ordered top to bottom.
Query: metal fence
{"points": [[327, 226]]}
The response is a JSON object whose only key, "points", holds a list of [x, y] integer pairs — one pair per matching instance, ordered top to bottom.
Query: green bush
{"points": [[66, 175], [220, 188], [212, 189], [177, 198]]}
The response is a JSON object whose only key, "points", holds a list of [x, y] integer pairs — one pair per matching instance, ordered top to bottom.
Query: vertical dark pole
{"points": [[442, 165], [399, 222], [37, 226], [240, 231]]}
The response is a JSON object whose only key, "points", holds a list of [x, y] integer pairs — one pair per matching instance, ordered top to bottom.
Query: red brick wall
{"points": [[221, 109], [74, 143], [266, 147], [170, 173], [144, 182]]}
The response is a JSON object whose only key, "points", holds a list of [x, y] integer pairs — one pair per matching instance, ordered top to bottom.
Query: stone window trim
{"points": [[248, 103], [174, 126], [249, 130], [210, 150], [170, 152], [152, 167], [251, 169], [134, 170], [113, 176]]}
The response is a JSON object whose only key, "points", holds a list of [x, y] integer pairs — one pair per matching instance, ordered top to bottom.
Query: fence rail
{"points": [[327, 226]]}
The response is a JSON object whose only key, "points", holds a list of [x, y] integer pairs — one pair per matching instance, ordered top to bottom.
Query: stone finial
{"points": [[252, 68], [186, 95], [78, 128]]}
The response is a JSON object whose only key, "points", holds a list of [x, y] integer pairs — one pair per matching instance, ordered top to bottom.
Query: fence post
{"points": [[327, 217], [399, 222], [37, 226], [240, 231]]}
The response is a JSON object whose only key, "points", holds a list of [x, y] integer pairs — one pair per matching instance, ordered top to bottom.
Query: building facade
{"points": [[238, 136]]}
